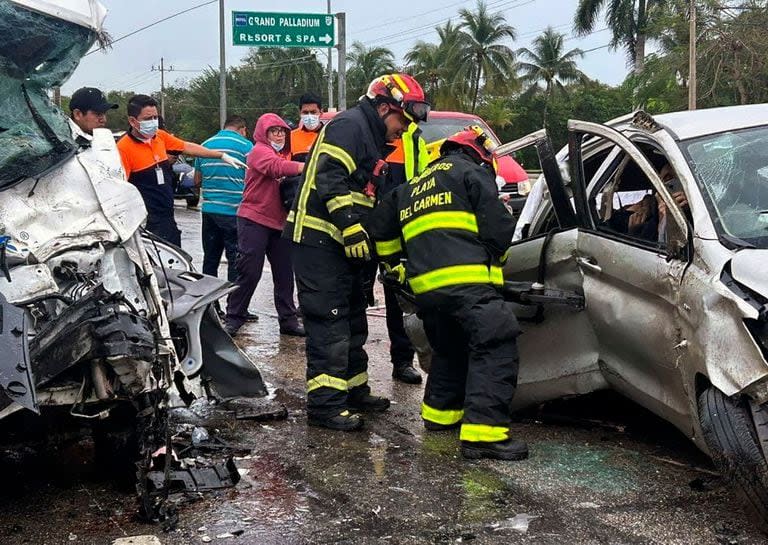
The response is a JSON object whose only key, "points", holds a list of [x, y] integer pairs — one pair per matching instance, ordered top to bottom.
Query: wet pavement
{"points": [[601, 470]]}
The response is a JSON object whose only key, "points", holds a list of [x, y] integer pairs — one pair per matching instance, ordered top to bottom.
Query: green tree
{"points": [[627, 20], [481, 57], [365, 64], [549, 64], [435, 67]]}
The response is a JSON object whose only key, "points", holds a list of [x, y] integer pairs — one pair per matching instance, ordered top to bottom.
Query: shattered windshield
{"points": [[37, 52], [732, 170]]}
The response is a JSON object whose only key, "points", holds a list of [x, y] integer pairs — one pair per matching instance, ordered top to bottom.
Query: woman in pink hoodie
{"points": [[260, 221]]}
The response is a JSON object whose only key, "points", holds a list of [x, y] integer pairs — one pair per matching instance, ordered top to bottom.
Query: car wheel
{"points": [[730, 433]]}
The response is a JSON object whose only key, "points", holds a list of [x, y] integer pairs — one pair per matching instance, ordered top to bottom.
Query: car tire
{"points": [[729, 431]]}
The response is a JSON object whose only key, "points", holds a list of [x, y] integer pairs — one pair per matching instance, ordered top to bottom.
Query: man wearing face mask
{"points": [[302, 138], [144, 152], [260, 221], [331, 246]]}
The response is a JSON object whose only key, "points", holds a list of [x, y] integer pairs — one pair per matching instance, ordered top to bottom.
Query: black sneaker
{"points": [[251, 317], [407, 374], [368, 403], [345, 421], [434, 426], [501, 450]]}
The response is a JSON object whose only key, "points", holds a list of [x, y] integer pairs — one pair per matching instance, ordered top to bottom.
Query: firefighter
{"points": [[408, 158], [335, 197], [453, 232]]}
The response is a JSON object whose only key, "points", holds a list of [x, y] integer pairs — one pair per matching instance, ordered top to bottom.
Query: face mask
{"points": [[310, 121], [149, 127], [277, 146]]}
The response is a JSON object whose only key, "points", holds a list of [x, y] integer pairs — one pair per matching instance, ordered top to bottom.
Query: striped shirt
{"points": [[222, 184]]}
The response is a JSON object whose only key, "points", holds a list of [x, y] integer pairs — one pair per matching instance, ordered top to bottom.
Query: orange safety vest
{"points": [[301, 143]]}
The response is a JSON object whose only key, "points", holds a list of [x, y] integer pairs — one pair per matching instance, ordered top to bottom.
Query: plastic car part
{"points": [[16, 383], [197, 479]]}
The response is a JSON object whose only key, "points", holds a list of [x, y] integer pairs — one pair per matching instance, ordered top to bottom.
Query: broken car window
{"points": [[36, 53], [732, 170]]}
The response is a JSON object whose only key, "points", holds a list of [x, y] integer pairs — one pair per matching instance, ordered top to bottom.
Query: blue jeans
{"points": [[219, 233]]}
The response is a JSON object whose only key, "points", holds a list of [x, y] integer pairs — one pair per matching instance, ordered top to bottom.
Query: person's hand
{"points": [[232, 161], [680, 199], [640, 213], [356, 243], [396, 273]]}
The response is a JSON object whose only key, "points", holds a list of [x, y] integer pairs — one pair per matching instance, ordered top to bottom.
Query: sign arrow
{"points": [[326, 39]]}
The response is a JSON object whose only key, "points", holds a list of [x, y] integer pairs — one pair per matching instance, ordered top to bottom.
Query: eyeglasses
{"points": [[277, 130]]}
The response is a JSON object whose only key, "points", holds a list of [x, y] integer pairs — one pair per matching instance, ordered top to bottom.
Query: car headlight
{"points": [[500, 182], [524, 187]]}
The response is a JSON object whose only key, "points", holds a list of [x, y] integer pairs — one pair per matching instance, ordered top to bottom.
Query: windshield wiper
{"points": [[736, 241]]}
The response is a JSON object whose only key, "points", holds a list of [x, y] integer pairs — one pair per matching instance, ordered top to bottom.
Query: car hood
{"points": [[748, 268]]}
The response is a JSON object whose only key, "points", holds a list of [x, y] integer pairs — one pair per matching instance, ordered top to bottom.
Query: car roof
{"points": [[695, 123]]}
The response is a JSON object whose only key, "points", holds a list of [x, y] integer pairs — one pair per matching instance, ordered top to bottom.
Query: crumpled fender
{"points": [[16, 384]]}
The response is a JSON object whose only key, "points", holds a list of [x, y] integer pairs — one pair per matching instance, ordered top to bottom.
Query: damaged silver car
{"points": [[643, 249], [95, 319]]}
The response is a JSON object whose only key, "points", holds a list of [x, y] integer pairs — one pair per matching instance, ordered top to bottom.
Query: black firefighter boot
{"points": [[406, 373], [365, 402], [344, 421], [500, 450]]}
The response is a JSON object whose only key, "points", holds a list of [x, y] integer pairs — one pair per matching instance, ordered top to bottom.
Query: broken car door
{"points": [[632, 261], [558, 350]]}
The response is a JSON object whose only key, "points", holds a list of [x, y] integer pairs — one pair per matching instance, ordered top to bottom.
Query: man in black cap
{"points": [[88, 110]]}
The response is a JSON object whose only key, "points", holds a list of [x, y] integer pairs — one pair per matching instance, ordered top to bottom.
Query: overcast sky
{"points": [[190, 41]]}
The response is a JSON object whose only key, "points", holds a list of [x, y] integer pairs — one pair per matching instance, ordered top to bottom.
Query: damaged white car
{"points": [[650, 268], [95, 319]]}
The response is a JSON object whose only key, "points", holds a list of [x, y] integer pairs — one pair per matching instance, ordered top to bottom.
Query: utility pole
{"points": [[341, 46], [692, 58], [222, 68], [162, 69], [330, 69], [57, 96]]}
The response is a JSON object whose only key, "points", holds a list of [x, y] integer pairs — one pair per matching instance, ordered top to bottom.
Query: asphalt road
{"points": [[601, 470]]}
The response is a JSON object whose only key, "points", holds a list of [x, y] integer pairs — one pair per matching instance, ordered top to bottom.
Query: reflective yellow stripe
{"points": [[400, 82], [339, 154], [306, 188], [362, 199], [338, 202], [291, 216], [464, 221], [319, 224], [352, 230], [388, 247], [457, 274], [497, 275], [357, 380], [326, 381], [437, 416], [483, 433]]}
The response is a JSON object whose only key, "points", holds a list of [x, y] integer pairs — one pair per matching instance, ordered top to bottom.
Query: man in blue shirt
{"points": [[222, 191]]}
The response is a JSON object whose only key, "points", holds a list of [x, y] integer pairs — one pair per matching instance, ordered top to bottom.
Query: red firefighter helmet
{"points": [[403, 92], [475, 138]]}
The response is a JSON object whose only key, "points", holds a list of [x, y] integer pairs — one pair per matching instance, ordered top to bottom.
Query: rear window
{"points": [[438, 128]]}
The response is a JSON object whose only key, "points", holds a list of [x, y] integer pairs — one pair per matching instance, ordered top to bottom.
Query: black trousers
{"points": [[163, 224], [219, 233], [333, 303], [401, 350], [474, 369]]}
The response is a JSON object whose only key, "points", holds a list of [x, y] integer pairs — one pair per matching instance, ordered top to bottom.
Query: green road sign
{"points": [[258, 29]]}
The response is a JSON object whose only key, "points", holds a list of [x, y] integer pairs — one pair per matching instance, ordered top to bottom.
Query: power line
{"points": [[382, 23], [150, 25]]}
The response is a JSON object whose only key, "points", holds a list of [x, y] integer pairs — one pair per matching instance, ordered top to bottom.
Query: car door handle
{"points": [[589, 263]]}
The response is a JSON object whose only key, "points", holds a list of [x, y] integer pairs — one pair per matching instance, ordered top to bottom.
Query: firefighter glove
{"points": [[232, 161], [356, 243], [396, 273]]}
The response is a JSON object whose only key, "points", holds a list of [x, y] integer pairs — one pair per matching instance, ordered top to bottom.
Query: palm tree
{"points": [[628, 21], [481, 57], [365, 64], [549, 64], [435, 67]]}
